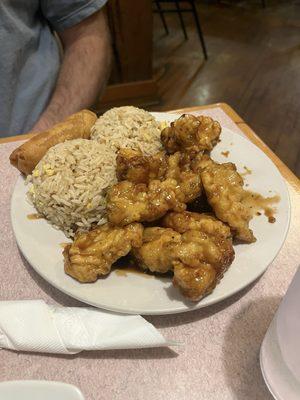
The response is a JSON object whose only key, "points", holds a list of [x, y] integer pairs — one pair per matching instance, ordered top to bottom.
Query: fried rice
{"points": [[128, 127], [68, 186]]}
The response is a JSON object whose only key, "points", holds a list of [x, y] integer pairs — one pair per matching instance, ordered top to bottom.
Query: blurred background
{"points": [[172, 54]]}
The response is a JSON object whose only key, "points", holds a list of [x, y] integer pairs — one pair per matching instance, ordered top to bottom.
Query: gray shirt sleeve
{"points": [[63, 14]]}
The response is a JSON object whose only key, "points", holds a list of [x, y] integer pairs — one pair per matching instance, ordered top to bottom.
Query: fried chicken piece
{"points": [[190, 133], [200, 162], [133, 166], [189, 182], [224, 190], [130, 202], [185, 221], [200, 247], [156, 252], [92, 253], [198, 259], [201, 263], [194, 283]]}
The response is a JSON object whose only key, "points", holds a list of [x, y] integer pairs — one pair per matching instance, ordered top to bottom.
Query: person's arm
{"points": [[84, 70]]}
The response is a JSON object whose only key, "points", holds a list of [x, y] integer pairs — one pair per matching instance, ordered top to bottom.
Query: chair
{"points": [[180, 10]]}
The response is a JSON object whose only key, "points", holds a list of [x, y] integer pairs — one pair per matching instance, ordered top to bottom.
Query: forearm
{"points": [[83, 73], [81, 79]]}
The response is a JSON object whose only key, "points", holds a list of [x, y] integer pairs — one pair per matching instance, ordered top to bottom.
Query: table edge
{"points": [[10, 139]]}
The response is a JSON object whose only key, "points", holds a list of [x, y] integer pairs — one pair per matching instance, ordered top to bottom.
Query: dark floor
{"points": [[253, 65]]}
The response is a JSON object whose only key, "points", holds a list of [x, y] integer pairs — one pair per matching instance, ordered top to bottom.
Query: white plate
{"points": [[136, 294], [38, 390]]}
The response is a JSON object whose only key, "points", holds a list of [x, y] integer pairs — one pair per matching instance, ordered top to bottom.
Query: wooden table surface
{"points": [[220, 356]]}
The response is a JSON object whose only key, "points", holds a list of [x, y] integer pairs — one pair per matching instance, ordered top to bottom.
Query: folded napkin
{"points": [[33, 325]]}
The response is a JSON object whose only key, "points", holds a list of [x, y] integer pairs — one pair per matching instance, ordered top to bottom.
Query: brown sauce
{"points": [[225, 153], [247, 171], [257, 202], [269, 214], [34, 216], [125, 266], [131, 270]]}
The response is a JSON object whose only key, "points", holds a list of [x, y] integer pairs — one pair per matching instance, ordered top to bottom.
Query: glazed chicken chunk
{"points": [[190, 133], [200, 162], [133, 166], [189, 182], [224, 190], [141, 198], [131, 202], [207, 223], [92, 253], [155, 254], [197, 259], [202, 261], [204, 277], [195, 283]]}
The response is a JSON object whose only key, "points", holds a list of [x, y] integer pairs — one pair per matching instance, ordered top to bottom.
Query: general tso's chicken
{"points": [[191, 133], [200, 162], [133, 166], [189, 182], [224, 190], [131, 202], [185, 221], [199, 247], [156, 252], [92, 253], [198, 259], [201, 263], [195, 283]]}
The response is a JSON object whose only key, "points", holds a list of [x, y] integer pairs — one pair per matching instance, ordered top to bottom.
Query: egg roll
{"points": [[76, 126]]}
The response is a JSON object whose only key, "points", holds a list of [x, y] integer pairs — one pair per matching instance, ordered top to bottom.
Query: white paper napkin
{"points": [[32, 325]]}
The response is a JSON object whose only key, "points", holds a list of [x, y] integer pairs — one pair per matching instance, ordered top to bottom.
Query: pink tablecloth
{"points": [[220, 356]]}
